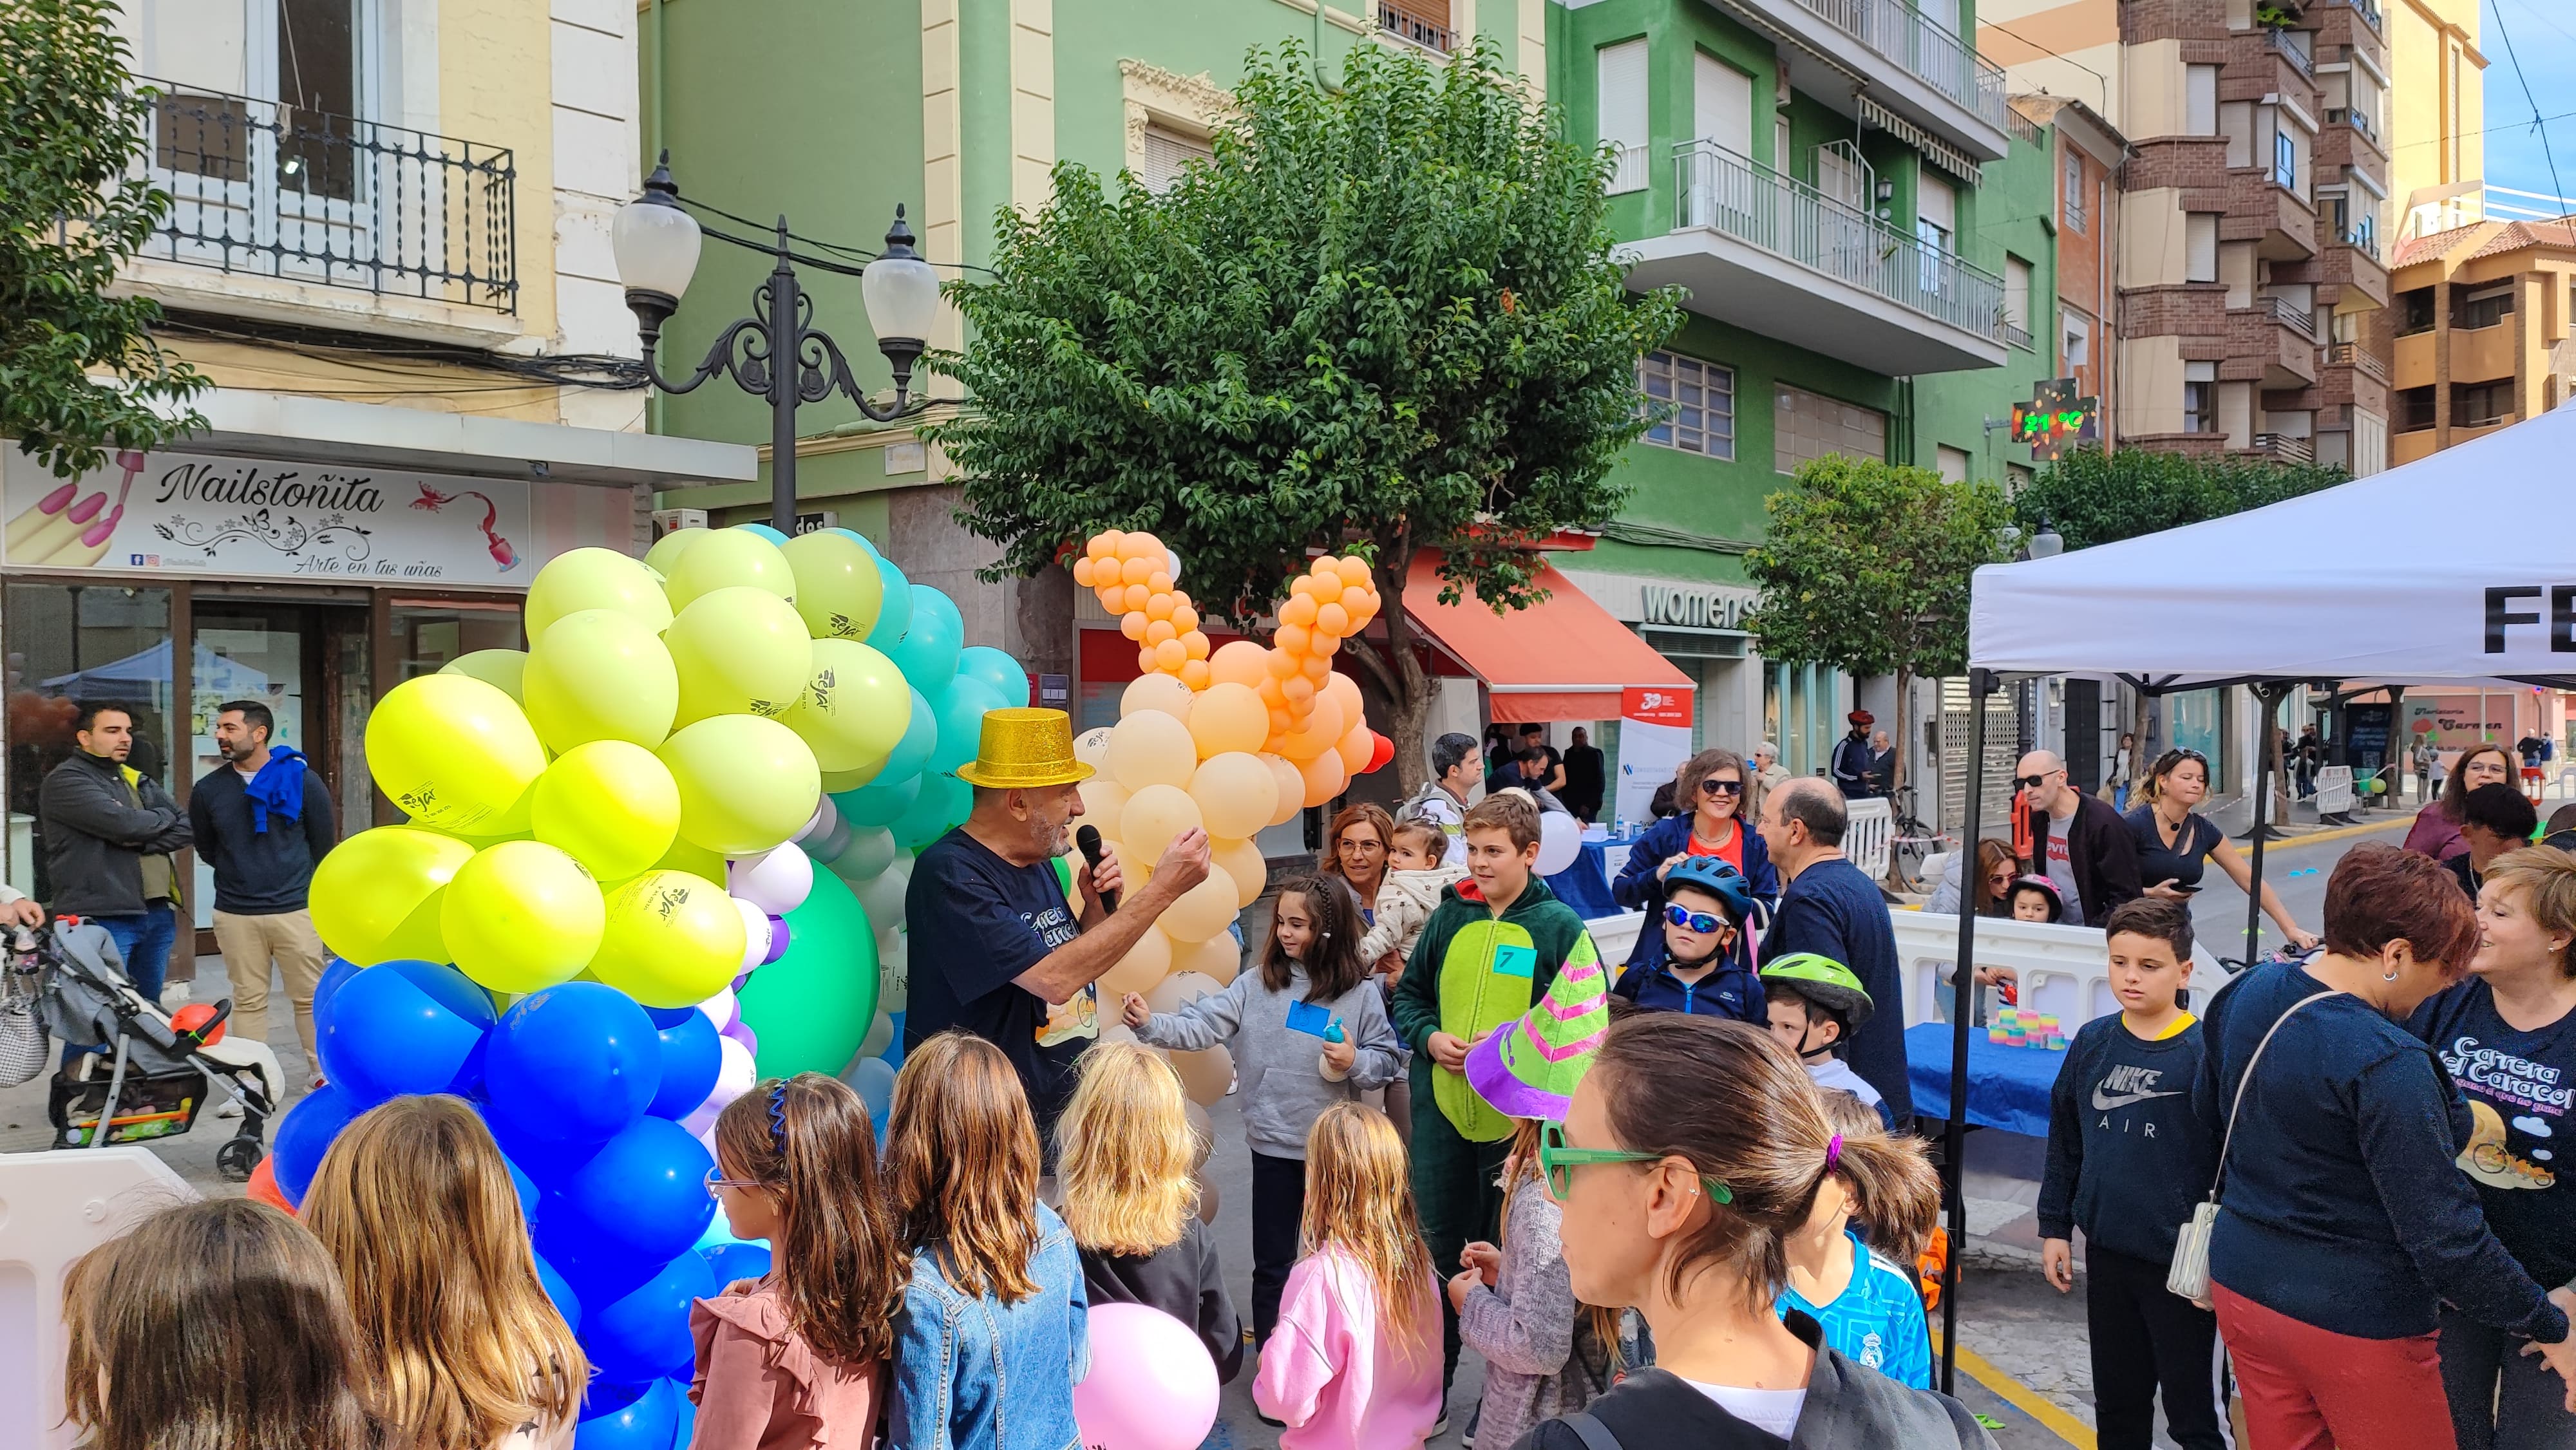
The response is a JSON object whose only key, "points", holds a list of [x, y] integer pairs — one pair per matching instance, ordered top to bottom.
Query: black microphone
{"points": [[1088, 838]]}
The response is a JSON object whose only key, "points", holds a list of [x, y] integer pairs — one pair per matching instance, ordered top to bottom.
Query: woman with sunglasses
{"points": [[1711, 823], [2436, 832], [2176, 842], [1686, 1216]]}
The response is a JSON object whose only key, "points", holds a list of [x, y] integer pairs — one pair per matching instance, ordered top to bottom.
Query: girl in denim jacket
{"points": [[990, 1340]]}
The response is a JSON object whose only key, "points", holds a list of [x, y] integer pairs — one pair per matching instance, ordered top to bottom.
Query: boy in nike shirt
{"points": [[2127, 1161]]}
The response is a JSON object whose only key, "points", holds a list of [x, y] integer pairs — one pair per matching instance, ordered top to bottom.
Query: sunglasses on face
{"points": [[2034, 782], [1721, 787], [1699, 921], [1557, 1162]]}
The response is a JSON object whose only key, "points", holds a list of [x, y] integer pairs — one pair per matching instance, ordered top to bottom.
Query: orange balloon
{"points": [[1103, 545], [1145, 546], [1324, 564], [1135, 570], [1354, 570], [1082, 571], [1160, 581], [1113, 596], [1136, 598], [1355, 602], [1158, 605], [1299, 610], [1184, 618], [1333, 620], [1132, 626], [1159, 630], [1292, 638], [1196, 643], [1324, 647], [1169, 656], [1145, 660], [1240, 662], [1281, 664], [1317, 668], [1194, 673], [1273, 689], [1299, 691], [1345, 691], [1228, 718], [1280, 725], [1321, 729], [1355, 747], [1324, 778], [1292, 786]]}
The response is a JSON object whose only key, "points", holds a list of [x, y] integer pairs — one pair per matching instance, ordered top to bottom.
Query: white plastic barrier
{"points": [[2334, 790], [1866, 839], [1615, 936], [2063, 970], [55, 1207]]}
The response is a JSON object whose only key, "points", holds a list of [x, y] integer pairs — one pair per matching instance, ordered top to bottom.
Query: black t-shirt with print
{"points": [[2520, 1087]]}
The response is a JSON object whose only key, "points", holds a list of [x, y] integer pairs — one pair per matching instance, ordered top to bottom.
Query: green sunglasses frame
{"points": [[1557, 1162]]}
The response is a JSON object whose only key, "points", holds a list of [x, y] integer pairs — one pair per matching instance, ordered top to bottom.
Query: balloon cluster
{"points": [[1133, 574], [603, 920]]}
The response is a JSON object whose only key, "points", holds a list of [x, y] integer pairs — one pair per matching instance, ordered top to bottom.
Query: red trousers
{"points": [[2307, 1388]]}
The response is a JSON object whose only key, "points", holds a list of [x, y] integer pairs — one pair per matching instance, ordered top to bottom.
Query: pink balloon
{"points": [[1152, 1385]]}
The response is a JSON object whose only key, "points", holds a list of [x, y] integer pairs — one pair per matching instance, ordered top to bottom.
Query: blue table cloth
{"points": [[1585, 885], [2008, 1087]]}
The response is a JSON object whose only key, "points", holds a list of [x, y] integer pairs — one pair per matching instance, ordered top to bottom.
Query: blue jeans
{"points": [[144, 938]]}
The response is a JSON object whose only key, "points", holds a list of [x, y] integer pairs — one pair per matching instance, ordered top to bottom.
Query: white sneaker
{"points": [[230, 1108]]}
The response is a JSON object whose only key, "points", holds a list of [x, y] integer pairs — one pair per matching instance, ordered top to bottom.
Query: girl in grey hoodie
{"points": [[1307, 1030]]}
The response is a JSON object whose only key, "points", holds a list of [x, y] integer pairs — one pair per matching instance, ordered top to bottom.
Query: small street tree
{"points": [[1383, 319], [80, 372], [1866, 568]]}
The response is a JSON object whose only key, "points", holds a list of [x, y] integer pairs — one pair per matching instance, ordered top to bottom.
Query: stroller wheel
{"points": [[238, 1156]]}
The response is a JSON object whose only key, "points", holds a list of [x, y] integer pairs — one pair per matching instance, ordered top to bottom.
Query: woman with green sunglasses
{"points": [[1686, 1215]]}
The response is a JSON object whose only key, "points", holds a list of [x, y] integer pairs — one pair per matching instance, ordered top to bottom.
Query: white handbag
{"points": [[2189, 1276]]}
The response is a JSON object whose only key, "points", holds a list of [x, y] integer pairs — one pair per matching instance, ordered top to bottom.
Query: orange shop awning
{"points": [[1563, 659]]}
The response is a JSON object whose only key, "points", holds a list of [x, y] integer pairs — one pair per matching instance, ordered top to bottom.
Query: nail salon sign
{"points": [[186, 513]]}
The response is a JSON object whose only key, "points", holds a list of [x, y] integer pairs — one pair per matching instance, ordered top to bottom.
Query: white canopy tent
{"points": [[2444, 571]]}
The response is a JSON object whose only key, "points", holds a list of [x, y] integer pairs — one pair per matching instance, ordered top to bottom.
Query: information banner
{"points": [[1654, 740]]}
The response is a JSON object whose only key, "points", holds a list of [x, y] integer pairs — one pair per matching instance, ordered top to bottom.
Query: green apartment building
{"points": [[1863, 224]]}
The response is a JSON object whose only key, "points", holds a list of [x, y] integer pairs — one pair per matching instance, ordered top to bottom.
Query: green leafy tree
{"points": [[1384, 318], [80, 372], [2092, 497], [1866, 566]]}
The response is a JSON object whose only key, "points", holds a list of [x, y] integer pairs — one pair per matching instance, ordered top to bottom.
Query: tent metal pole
{"points": [[2271, 696], [1963, 997]]}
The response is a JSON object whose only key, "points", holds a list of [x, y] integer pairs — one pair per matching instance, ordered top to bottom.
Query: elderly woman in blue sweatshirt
{"points": [[1710, 790], [2342, 1223]]}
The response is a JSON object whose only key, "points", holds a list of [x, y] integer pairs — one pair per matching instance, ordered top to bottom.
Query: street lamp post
{"points": [[775, 353]]}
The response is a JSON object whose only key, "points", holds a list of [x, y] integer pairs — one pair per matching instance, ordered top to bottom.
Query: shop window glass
{"points": [[69, 645]]}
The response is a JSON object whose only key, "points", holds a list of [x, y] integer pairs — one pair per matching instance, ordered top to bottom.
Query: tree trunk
{"points": [[1397, 667]]}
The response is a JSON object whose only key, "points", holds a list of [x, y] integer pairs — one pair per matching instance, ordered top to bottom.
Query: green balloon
{"points": [[811, 1007]]}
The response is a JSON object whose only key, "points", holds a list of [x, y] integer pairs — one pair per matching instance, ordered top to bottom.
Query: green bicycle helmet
{"points": [[1821, 980]]}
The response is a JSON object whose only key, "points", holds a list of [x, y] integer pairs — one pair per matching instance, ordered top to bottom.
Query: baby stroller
{"points": [[152, 1078]]}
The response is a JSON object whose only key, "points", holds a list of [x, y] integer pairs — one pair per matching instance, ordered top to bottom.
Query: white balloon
{"points": [[826, 816], [1560, 842], [870, 851], [777, 880], [755, 933], [894, 970], [722, 1009], [880, 1037], [735, 1074]]}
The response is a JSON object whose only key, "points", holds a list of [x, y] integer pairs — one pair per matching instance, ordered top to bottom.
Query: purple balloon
{"points": [[778, 935], [741, 1032]]}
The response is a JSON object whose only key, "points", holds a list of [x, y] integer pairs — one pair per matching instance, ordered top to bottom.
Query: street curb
{"points": [[2335, 833], [2022, 1397]]}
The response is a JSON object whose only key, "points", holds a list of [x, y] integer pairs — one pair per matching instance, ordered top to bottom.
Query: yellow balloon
{"points": [[665, 554], [729, 559], [595, 579], [838, 584], [740, 651], [499, 668], [598, 674], [1160, 693], [855, 706], [1227, 718], [1152, 748], [454, 753], [837, 781], [746, 784], [1292, 788], [1235, 793], [611, 805], [1153, 817], [687, 855], [1242, 864], [376, 895], [1203, 911], [521, 916], [672, 940], [1217, 959], [1144, 965]]}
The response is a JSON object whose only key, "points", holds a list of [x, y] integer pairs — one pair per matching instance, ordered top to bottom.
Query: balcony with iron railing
{"points": [[2368, 10], [2292, 46], [1935, 77], [2358, 118], [265, 189], [1851, 287], [2289, 315], [2353, 355], [2285, 448]]}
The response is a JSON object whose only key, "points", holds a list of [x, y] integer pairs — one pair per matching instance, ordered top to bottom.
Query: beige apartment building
{"points": [[2480, 327]]}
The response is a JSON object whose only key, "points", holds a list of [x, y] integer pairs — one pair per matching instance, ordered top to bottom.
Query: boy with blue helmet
{"points": [[1707, 967]]}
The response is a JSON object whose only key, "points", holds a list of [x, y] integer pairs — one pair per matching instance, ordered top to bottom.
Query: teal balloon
{"points": [[765, 531], [855, 534], [894, 615], [928, 652], [1003, 673], [961, 710], [920, 738], [881, 802], [943, 802], [811, 1008]]}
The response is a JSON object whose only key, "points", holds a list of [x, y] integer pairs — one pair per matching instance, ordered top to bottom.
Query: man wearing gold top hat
{"points": [[996, 949]]}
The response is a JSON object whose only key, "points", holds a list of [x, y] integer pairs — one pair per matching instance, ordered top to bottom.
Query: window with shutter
{"points": [[1621, 71], [1166, 152]]}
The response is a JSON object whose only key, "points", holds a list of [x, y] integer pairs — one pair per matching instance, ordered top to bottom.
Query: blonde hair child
{"points": [[1126, 1153]]}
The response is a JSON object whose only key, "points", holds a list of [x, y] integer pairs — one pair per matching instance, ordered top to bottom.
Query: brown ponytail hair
{"points": [[1759, 1128], [807, 1141], [1896, 1209]]}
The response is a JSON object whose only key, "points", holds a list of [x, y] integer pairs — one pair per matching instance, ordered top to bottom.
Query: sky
{"points": [[2543, 37]]}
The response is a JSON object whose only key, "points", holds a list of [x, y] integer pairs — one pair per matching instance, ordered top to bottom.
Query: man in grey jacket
{"points": [[109, 831]]}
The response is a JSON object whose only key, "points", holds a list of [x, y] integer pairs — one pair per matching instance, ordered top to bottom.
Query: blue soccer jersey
{"points": [[1877, 1319]]}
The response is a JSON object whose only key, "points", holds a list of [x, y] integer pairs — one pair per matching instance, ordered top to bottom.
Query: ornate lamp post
{"points": [[775, 353]]}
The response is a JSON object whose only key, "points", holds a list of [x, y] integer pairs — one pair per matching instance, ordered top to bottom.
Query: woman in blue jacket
{"points": [[1711, 785]]}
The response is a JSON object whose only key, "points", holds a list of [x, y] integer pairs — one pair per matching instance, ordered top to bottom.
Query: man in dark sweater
{"points": [[262, 821], [2077, 841], [1831, 909], [2127, 1160]]}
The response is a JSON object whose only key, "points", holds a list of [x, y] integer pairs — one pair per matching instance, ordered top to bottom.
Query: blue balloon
{"points": [[765, 531], [860, 537], [894, 615], [927, 653], [999, 670], [962, 706], [920, 738], [881, 802], [943, 802], [326, 989], [405, 1027], [691, 1058], [570, 1066], [872, 1078], [305, 1132], [525, 1187], [645, 1192], [736, 1260], [598, 1271], [567, 1303], [644, 1334], [684, 1418], [648, 1421]]}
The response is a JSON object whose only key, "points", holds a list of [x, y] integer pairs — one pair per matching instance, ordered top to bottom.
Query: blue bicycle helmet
{"points": [[1713, 875]]}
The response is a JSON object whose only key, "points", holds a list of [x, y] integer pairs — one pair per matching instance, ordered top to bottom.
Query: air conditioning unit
{"points": [[667, 521]]}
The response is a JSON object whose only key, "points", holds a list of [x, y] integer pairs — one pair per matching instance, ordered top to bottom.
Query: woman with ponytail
{"points": [[1687, 1217], [792, 1359]]}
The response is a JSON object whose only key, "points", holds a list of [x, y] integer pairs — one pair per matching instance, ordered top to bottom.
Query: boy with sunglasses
{"points": [[1706, 969]]}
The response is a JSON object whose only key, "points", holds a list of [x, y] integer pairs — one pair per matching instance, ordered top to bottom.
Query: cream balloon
{"points": [[729, 559], [595, 578], [740, 651], [599, 674], [1160, 693], [1228, 718], [1091, 747], [1152, 748], [1291, 788], [1236, 794], [1102, 801], [1153, 817], [1242, 863], [1203, 911], [1218, 959], [1146, 963], [1180, 989], [1204, 1075], [1202, 1131], [1207, 1196]]}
